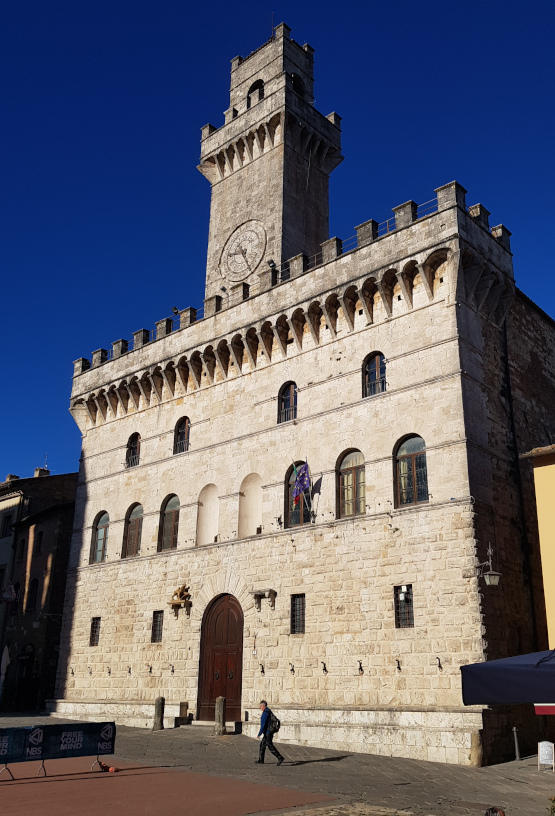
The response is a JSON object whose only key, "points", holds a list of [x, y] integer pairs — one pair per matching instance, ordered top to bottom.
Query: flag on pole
{"points": [[302, 482]]}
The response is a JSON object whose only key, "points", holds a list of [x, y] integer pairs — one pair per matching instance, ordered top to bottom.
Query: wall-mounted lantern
{"points": [[490, 576]]}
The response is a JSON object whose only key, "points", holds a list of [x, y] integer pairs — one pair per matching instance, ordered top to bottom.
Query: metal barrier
{"points": [[41, 742]]}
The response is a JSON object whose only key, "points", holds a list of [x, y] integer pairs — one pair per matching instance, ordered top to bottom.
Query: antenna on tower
{"points": [[272, 37], [46, 461]]}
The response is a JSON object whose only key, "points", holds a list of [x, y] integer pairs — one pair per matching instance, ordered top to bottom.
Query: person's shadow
{"points": [[326, 759]]}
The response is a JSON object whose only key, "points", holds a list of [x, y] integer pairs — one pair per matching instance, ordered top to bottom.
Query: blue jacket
{"points": [[264, 721]]}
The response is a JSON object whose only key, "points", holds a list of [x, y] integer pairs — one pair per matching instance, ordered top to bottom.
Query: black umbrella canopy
{"points": [[528, 678]]}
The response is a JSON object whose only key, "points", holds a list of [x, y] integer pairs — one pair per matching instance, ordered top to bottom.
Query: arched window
{"points": [[298, 85], [255, 94], [373, 375], [287, 402], [181, 436], [133, 454], [411, 473], [352, 496], [250, 506], [297, 512], [208, 515], [169, 524], [132, 531], [99, 539], [37, 543], [32, 595]]}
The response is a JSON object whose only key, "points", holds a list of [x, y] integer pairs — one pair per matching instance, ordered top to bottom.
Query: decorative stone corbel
{"points": [[259, 594], [181, 599]]}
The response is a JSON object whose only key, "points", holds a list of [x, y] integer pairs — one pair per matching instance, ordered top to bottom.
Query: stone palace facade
{"points": [[406, 369]]}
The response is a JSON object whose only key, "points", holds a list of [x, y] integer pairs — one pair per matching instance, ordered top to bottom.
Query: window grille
{"points": [[374, 376], [287, 403], [412, 472], [298, 606], [404, 612], [157, 626], [95, 632]]}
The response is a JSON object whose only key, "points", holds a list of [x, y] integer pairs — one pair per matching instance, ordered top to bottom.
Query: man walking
{"points": [[268, 722]]}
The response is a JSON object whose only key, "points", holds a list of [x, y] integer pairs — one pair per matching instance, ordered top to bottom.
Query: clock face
{"points": [[243, 251]]}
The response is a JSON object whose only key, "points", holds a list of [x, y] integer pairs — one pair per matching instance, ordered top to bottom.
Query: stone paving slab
{"points": [[404, 785]]}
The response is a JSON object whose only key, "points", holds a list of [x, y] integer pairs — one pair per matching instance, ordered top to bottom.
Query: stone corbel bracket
{"points": [[259, 594]]}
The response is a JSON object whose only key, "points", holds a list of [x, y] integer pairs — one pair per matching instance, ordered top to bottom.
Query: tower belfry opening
{"points": [[268, 165]]}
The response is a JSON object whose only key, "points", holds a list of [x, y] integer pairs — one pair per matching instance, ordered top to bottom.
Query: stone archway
{"points": [[221, 658]]}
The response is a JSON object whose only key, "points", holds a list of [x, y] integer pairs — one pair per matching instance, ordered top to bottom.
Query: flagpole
{"points": [[304, 497]]}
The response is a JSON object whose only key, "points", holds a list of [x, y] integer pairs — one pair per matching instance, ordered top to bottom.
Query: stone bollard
{"points": [[159, 705], [219, 726]]}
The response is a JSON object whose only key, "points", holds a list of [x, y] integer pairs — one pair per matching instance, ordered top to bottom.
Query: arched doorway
{"points": [[221, 658]]}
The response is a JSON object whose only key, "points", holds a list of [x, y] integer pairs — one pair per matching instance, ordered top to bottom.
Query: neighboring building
{"points": [[406, 368], [543, 462], [41, 523]]}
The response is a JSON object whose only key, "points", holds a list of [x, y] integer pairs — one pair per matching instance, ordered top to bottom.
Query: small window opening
{"points": [[255, 93], [37, 548], [298, 606], [404, 612], [157, 626], [95, 632]]}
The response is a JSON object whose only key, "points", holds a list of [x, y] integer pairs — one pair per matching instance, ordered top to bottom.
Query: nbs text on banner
{"points": [[56, 741]]}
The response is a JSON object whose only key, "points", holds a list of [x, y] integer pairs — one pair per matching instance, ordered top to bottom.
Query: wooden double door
{"points": [[221, 659]]}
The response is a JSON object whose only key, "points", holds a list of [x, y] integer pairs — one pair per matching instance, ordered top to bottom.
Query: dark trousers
{"points": [[267, 741]]}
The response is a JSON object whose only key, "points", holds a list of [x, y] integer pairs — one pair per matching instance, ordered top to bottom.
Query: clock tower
{"points": [[268, 166]]}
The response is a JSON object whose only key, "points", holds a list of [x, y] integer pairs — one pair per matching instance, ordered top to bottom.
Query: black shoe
{"points": [[280, 760], [259, 762]]}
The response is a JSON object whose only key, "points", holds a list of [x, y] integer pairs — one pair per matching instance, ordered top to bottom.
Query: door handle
{"points": [[230, 674], [216, 675]]}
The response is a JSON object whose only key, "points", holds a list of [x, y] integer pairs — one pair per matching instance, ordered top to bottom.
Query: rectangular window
{"points": [[6, 522], [404, 612], [297, 614], [157, 625], [95, 632]]}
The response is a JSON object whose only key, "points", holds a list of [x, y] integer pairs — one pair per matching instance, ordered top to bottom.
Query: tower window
{"points": [[255, 94], [6, 522], [37, 546], [32, 596], [298, 606], [404, 613], [157, 626], [95, 632]]}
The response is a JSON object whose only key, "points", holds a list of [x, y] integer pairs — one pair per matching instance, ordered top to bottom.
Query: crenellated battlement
{"points": [[407, 216]]}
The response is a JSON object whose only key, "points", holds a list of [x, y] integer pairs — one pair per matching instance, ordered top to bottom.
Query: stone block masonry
{"points": [[353, 625]]}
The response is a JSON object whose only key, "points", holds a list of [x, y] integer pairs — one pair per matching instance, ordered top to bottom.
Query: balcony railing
{"points": [[373, 387], [287, 414], [180, 446], [132, 461]]}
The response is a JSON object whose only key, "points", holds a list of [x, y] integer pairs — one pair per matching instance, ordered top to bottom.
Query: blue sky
{"points": [[104, 217]]}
